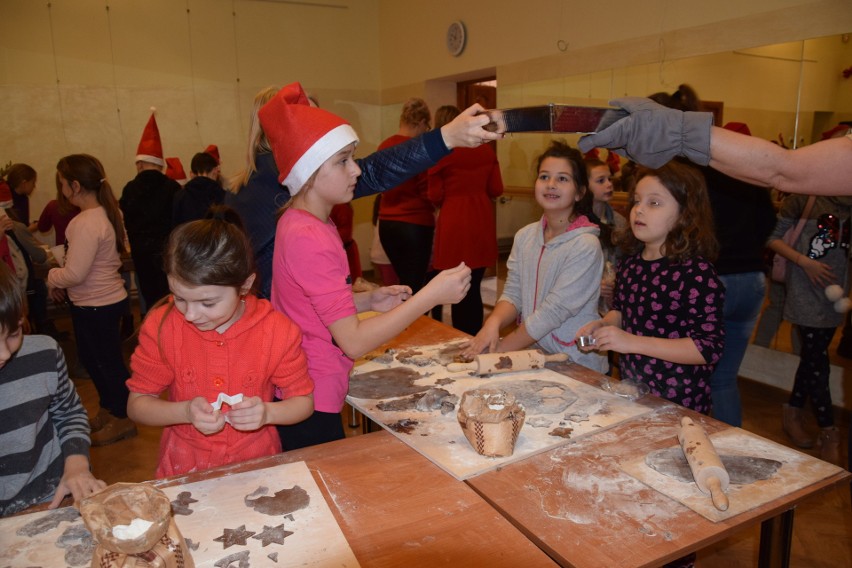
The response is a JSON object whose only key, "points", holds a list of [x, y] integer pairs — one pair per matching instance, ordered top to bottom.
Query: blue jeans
{"points": [[743, 300]]}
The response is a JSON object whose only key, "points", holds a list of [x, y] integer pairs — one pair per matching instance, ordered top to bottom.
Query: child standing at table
{"points": [[600, 184], [555, 267], [311, 282], [666, 316], [213, 336], [45, 431]]}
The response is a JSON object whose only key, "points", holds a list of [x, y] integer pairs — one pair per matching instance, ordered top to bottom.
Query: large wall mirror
{"points": [[794, 91], [790, 93]]}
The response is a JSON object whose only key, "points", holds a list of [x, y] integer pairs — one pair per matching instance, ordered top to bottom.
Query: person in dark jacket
{"points": [[200, 193], [146, 203]]}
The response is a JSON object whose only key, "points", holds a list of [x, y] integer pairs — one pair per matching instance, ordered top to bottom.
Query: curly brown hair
{"points": [[693, 233]]}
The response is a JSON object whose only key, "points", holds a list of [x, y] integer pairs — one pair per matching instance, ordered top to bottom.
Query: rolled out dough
{"points": [[386, 383], [741, 469]]}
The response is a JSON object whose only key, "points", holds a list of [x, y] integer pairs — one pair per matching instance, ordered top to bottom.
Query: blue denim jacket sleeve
{"points": [[390, 167]]}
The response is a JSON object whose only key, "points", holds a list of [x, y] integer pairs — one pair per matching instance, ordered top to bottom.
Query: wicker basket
{"points": [[491, 420], [161, 546]]}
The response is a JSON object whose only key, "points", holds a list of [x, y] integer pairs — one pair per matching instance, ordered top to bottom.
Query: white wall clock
{"points": [[456, 38]]}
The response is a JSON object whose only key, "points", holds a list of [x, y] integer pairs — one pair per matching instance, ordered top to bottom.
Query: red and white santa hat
{"points": [[302, 137], [150, 148], [213, 150], [175, 171]]}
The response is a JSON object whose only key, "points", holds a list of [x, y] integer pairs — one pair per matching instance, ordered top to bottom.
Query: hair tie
{"points": [[218, 214]]}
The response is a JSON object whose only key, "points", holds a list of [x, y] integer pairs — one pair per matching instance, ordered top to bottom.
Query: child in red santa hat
{"points": [[314, 150]]}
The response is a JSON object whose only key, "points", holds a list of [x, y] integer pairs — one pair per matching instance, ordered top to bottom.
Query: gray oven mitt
{"points": [[652, 134]]}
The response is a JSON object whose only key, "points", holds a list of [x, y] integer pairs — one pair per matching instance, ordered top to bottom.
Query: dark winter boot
{"points": [[793, 423]]}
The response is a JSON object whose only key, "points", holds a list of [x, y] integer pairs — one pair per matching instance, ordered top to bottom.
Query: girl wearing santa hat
{"points": [[311, 284]]}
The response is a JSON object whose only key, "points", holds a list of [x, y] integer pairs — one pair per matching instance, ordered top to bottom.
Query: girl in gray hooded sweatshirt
{"points": [[555, 268]]}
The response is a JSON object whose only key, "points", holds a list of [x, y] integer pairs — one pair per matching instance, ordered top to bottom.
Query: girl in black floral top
{"points": [[666, 316]]}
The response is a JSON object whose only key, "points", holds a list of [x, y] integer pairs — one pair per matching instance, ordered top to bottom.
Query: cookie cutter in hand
{"points": [[586, 341], [625, 388], [230, 400]]}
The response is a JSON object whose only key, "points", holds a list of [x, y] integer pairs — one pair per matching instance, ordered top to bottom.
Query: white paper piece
{"points": [[231, 400]]}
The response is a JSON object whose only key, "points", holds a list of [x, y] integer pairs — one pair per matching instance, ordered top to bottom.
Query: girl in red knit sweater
{"points": [[220, 352]]}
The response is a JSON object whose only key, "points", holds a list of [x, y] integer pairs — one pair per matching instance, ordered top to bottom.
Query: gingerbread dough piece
{"points": [[386, 383], [540, 397], [427, 401], [404, 426], [742, 470], [283, 502], [180, 506], [49, 522], [271, 535], [230, 537], [240, 558]]}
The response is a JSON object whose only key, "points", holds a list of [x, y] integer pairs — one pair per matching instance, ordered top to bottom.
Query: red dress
{"points": [[463, 185]]}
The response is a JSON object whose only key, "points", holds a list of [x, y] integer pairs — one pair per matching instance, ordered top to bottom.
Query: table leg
{"points": [[353, 417], [776, 536]]}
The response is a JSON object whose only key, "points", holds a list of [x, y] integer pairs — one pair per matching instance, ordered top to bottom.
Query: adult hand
{"points": [[466, 130], [652, 134], [449, 286], [387, 298], [201, 414], [248, 415]]}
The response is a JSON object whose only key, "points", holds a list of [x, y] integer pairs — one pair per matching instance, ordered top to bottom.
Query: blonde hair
{"points": [[415, 111], [257, 142]]}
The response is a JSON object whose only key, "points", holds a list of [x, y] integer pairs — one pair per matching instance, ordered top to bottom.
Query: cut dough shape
{"points": [[283, 502], [272, 535], [230, 537]]}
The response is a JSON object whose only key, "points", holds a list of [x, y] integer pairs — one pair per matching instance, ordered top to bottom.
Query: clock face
{"points": [[456, 38]]}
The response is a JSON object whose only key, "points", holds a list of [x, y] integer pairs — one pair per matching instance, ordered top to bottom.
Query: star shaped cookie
{"points": [[231, 537]]}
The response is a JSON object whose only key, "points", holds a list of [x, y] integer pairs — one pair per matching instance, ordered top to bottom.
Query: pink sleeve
{"points": [[82, 248]]}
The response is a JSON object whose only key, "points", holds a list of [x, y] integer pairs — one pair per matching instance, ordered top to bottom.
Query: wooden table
{"points": [[579, 507], [396, 508]]}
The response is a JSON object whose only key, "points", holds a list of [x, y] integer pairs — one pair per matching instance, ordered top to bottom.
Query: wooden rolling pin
{"points": [[508, 362], [707, 469]]}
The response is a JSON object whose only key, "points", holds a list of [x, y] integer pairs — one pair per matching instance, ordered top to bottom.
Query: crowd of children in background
{"points": [[256, 301]]}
